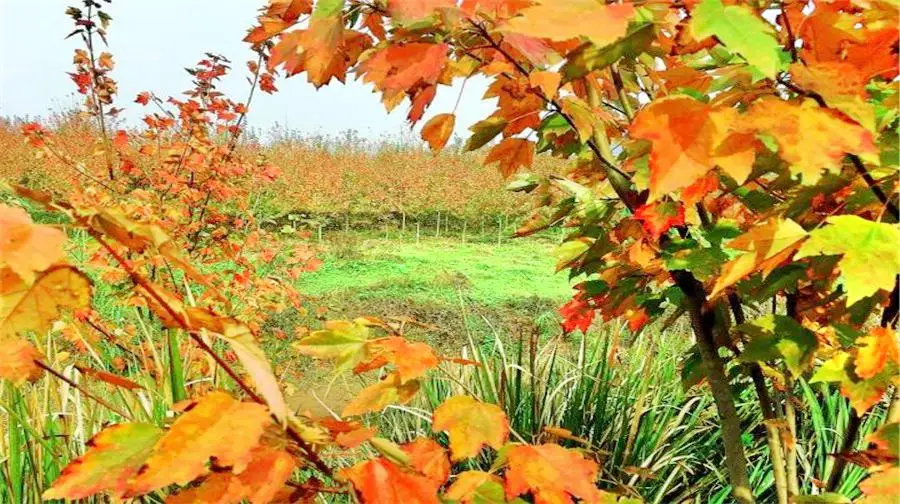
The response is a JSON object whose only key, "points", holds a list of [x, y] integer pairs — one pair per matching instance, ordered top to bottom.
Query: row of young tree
{"points": [[724, 157]]}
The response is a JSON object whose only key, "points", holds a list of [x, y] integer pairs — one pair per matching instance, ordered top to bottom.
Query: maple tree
{"points": [[724, 154], [726, 157]]}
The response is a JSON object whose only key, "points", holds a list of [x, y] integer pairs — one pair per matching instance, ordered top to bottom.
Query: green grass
{"points": [[435, 270]]}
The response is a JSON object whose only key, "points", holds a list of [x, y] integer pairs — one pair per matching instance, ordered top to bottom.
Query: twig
{"points": [[139, 280], [39, 363]]}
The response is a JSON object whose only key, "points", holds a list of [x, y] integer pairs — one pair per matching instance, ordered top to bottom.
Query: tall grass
{"points": [[621, 398]]}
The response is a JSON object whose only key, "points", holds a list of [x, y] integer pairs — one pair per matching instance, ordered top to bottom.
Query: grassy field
{"points": [[362, 271], [458, 290]]}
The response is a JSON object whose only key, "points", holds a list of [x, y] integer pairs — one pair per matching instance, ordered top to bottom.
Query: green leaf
{"points": [[328, 8], [742, 31], [590, 57], [484, 131], [524, 182], [568, 252], [871, 256], [702, 262], [785, 278], [779, 336], [344, 342], [832, 370]]}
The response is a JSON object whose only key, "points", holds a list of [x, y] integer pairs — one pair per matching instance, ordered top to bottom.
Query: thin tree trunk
{"points": [[499, 229], [418, 231], [464, 231], [437, 232], [703, 323], [791, 416], [780, 472]]}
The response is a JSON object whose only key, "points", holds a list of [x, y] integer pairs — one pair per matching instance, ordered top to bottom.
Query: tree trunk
{"points": [[703, 323]]}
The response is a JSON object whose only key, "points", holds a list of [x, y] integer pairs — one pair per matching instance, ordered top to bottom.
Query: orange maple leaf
{"points": [[437, 131], [682, 137], [511, 154], [659, 217], [25, 247], [877, 349], [17, 360], [551, 473]]}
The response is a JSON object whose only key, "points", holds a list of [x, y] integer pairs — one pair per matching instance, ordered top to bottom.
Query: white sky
{"points": [[154, 40]]}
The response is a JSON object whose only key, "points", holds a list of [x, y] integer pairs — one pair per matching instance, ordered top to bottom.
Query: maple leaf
{"points": [[289, 10], [406, 11], [562, 20], [269, 26], [742, 31], [322, 44], [324, 49], [105, 61], [399, 68], [547, 82], [841, 85], [143, 98], [583, 117], [438, 130], [484, 131], [682, 137], [810, 138], [120, 140], [511, 154], [695, 192], [659, 217], [767, 245], [25, 247], [870, 256], [25, 308], [577, 314], [775, 336], [344, 342], [877, 349], [17, 360], [412, 360], [862, 393], [375, 397], [471, 424], [205, 431], [113, 457], [430, 459], [551, 473], [380, 481], [258, 483], [469, 487], [881, 487]]}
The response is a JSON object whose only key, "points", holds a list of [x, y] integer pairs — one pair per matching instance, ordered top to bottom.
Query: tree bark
{"points": [[703, 323]]}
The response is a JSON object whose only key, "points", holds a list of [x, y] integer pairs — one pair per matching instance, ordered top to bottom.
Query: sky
{"points": [[153, 41]]}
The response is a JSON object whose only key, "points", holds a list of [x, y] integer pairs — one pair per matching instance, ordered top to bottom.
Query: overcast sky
{"points": [[153, 41]]}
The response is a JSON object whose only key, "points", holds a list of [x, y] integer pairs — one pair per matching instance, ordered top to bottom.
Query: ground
{"points": [[458, 289]]}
